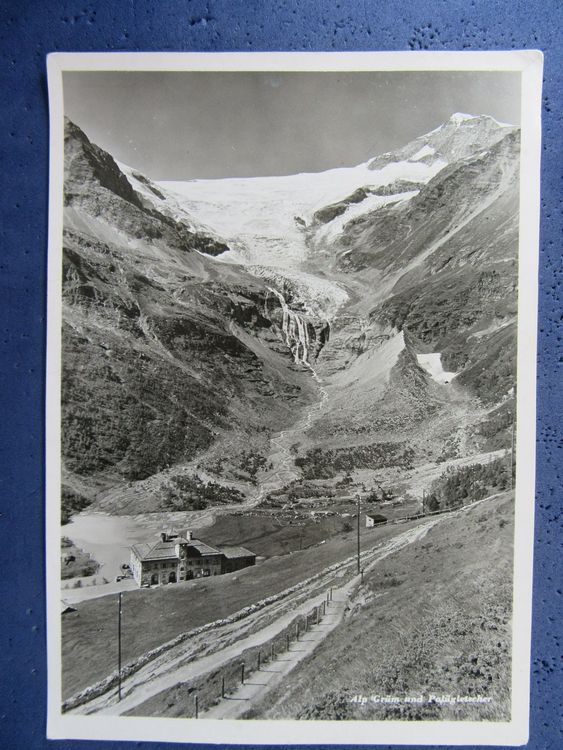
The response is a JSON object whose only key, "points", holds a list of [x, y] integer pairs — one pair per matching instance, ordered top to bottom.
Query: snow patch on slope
{"points": [[459, 117], [424, 151], [332, 229], [492, 328], [432, 363]]}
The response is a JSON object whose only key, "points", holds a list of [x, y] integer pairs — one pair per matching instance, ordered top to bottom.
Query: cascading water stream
{"points": [[295, 331], [296, 335]]}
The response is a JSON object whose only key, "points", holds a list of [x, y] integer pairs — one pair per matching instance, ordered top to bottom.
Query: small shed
{"points": [[375, 520], [236, 558]]}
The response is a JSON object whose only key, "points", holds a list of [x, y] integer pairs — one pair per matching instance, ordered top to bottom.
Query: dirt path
{"points": [[183, 668], [268, 677], [237, 703]]}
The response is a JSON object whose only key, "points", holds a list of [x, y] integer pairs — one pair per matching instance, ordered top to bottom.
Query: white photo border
{"points": [[233, 732]]}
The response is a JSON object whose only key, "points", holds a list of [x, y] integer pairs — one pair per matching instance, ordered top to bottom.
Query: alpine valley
{"points": [[254, 336], [322, 368]]}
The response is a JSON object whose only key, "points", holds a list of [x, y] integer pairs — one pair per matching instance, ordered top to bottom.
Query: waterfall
{"points": [[295, 331]]}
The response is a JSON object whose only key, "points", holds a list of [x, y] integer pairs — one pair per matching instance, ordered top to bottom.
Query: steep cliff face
{"points": [[98, 196], [462, 198], [443, 261], [438, 265], [168, 356]]}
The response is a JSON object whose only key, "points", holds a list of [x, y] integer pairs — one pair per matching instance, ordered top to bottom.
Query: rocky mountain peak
{"points": [[459, 117], [464, 135], [461, 136], [86, 163], [98, 191]]}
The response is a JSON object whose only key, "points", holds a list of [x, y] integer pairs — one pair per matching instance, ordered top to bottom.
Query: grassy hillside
{"points": [[153, 616], [432, 619]]}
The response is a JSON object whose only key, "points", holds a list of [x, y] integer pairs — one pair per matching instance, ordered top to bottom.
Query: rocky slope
{"points": [[432, 276], [193, 313], [169, 358]]}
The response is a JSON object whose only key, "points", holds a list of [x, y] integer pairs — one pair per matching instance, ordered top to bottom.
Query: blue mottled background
{"points": [[29, 29]]}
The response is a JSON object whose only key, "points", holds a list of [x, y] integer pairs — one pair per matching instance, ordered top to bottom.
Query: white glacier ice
{"points": [[424, 151]]}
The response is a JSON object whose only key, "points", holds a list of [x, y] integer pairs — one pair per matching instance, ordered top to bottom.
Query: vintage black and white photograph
{"points": [[291, 399]]}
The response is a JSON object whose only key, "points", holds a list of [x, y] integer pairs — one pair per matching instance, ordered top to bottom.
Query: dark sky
{"points": [[177, 126]]}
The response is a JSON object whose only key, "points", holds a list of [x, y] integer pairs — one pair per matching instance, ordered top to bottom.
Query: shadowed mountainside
{"points": [[167, 356]]}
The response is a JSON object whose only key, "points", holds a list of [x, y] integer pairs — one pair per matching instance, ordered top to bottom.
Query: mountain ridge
{"points": [[179, 284], [158, 369]]}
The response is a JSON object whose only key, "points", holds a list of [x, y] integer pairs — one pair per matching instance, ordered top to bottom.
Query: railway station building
{"points": [[177, 556]]}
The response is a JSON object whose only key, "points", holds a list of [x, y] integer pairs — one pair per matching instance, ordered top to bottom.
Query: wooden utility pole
{"points": [[513, 442], [358, 498], [119, 646]]}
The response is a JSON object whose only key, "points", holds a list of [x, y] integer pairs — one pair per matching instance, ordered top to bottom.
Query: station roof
{"points": [[203, 548], [166, 550], [157, 551], [233, 552]]}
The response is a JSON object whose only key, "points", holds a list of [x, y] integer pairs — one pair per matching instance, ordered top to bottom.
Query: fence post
{"points": [[331, 593], [327, 595], [119, 613], [297, 630], [287, 640], [273, 653], [259, 655], [242, 673], [223, 687], [196, 701]]}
